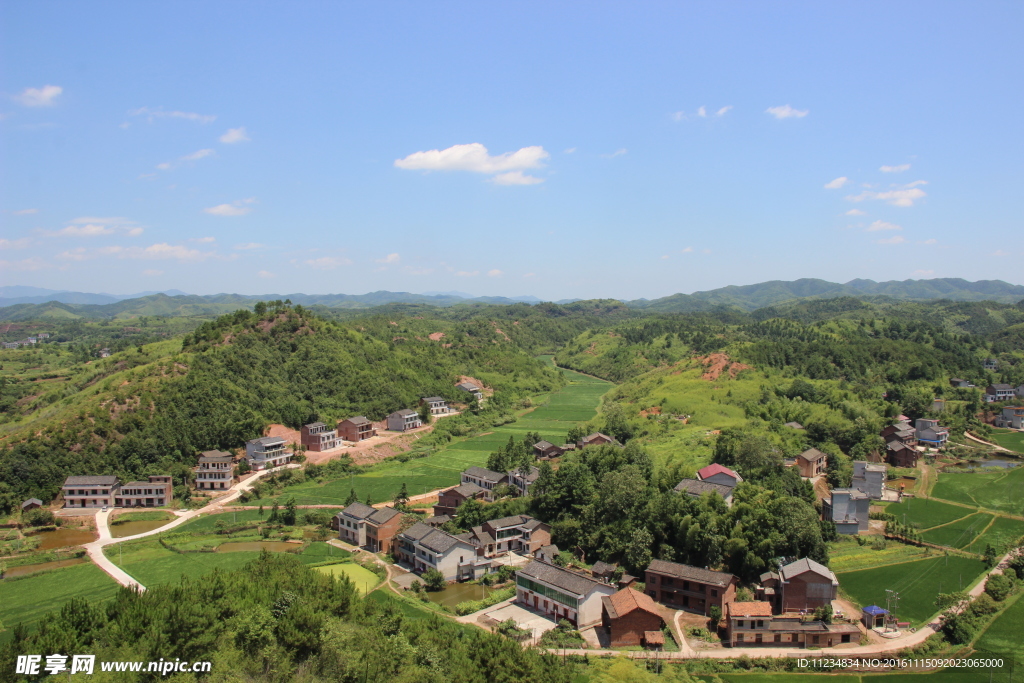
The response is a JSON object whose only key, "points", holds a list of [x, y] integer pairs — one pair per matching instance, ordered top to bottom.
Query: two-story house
{"points": [[990, 364], [959, 383], [471, 389], [998, 392], [438, 406], [1012, 417], [404, 420], [356, 429], [901, 432], [931, 433], [319, 437], [595, 439], [545, 450], [267, 452], [900, 455], [812, 463], [215, 471], [719, 474], [870, 478], [485, 479], [523, 481], [90, 491], [156, 492], [450, 500], [848, 508], [369, 527], [519, 534], [422, 547], [802, 585], [690, 588], [562, 593], [628, 615], [753, 624]]}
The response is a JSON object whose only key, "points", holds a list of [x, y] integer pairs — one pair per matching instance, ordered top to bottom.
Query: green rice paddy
{"points": [[1010, 439], [1000, 490], [926, 512], [963, 533], [363, 578]]}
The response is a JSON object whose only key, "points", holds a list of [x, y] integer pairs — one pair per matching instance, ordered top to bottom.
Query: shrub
{"points": [[39, 517], [434, 580], [1000, 586]]}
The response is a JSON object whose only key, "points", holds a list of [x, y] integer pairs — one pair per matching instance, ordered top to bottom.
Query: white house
{"points": [[267, 452], [869, 478], [848, 508], [422, 547], [561, 593]]}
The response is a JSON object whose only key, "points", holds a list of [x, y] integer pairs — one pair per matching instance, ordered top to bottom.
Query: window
{"points": [[686, 585], [714, 592], [739, 623], [760, 623], [739, 637], [778, 637], [815, 639]]}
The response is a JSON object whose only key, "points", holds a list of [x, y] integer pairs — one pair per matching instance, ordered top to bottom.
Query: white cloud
{"points": [[39, 97], [724, 110], [702, 112], [786, 112], [159, 113], [679, 116], [234, 135], [570, 150], [616, 153], [196, 156], [475, 158], [895, 169], [516, 178], [837, 183], [913, 184], [904, 198], [237, 208], [25, 212], [855, 212], [110, 220], [882, 225], [88, 230], [135, 232], [895, 239], [203, 240], [930, 240], [14, 244], [244, 247], [687, 250], [705, 251], [159, 252], [1000, 252], [664, 257], [390, 258], [327, 263], [23, 265], [418, 271], [152, 272], [924, 272], [467, 273], [494, 273], [265, 274], [529, 274]]}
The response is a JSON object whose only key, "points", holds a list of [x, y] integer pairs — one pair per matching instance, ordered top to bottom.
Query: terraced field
{"points": [[574, 404], [1009, 439], [1000, 490]]}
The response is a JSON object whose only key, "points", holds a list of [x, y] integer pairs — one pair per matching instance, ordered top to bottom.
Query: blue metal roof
{"points": [[874, 610]]}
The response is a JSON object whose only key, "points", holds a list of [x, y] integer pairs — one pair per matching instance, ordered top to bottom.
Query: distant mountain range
{"points": [[25, 303]]}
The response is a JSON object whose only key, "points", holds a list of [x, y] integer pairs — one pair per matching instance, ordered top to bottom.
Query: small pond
{"points": [[998, 463], [137, 527], [62, 538], [257, 546], [42, 566], [459, 592]]}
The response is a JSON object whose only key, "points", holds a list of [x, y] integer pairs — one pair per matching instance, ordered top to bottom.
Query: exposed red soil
{"points": [[498, 330], [436, 336], [592, 349], [718, 363], [474, 380], [655, 410]]}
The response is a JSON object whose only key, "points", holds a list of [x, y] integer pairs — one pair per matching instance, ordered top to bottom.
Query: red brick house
{"points": [[356, 429], [318, 437], [595, 439], [545, 450], [900, 455], [812, 462], [449, 501], [802, 585], [690, 588], [627, 615], [753, 624]]}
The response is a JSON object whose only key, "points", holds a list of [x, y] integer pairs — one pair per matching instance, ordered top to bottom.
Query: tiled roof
{"points": [[433, 399], [404, 412], [359, 420], [316, 424], [794, 425], [267, 440], [543, 445], [216, 454], [812, 454], [221, 457], [712, 470], [485, 474], [102, 480], [696, 487], [467, 490], [31, 501], [358, 511], [382, 515], [437, 520], [514, 520], [417, 531], [439, 541], [806, 565], [602, 569], [685, 571], [560, 578], [628, 600], [749, 609]]}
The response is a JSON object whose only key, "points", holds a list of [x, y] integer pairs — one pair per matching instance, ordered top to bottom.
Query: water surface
{"points": [[137, 527], [62, 538], [256, 546], [42, 566], [459, 592]]}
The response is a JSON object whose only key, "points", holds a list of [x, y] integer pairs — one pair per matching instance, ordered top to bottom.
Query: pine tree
{"points": [[352, 497], [402, 499]]}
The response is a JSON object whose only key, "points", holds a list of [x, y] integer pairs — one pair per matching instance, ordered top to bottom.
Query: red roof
{"points": [[712, 470], [627, 600], [750, 609]]}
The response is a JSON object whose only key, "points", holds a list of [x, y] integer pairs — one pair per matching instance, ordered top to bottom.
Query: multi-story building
{"points": [[471, 389], [998, 392], [438, 406], [1012, 418], [403, 420], [356, 429], [931, 433], [319, 437], [545, 450], [267, 452], [900, 455], [216, 470], [870, 478], [485, 479], [521, 482], [89, 492], [156, 492], [450, 500], [848, 508], [369, 527], [519, 534], [422, 547], [801, 585], [690, 588], [561, 593], [628, 615], [753, 624]]}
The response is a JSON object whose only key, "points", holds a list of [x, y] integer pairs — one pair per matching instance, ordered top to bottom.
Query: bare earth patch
{"points": [[718, 363]]}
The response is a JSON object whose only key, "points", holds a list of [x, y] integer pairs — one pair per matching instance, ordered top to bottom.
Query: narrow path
{"points": [[996, 446], [95, 549]]}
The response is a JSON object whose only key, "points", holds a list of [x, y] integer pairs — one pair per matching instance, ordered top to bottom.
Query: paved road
{"points": [[95, 549]]}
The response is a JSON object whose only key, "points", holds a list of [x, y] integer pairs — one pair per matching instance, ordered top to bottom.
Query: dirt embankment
{"points": [[718, 363]]}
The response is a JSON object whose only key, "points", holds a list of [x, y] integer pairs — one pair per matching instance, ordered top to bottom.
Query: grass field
{"points": [[575, 403], [1009, 439], [995, 489], [927, 513], [961, 533], [1003, 534], [846, 555], [363, 578], [918, 584], [28, 600], [1006, 632]]}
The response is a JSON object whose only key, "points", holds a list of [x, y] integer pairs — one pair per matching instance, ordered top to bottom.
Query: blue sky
{"points": [[553, 149]]}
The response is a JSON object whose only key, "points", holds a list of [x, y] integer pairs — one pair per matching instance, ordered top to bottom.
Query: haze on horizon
{"points": [[578, 151]]}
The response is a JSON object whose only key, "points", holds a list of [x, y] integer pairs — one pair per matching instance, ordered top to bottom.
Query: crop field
{"points": [[574, 404], [1009, 439], [1001, 490], [927, 513], [961, 533], [1003, 534], [846, 555], [363, 578], [918, 583], [28, 600], [1006, 632]]}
